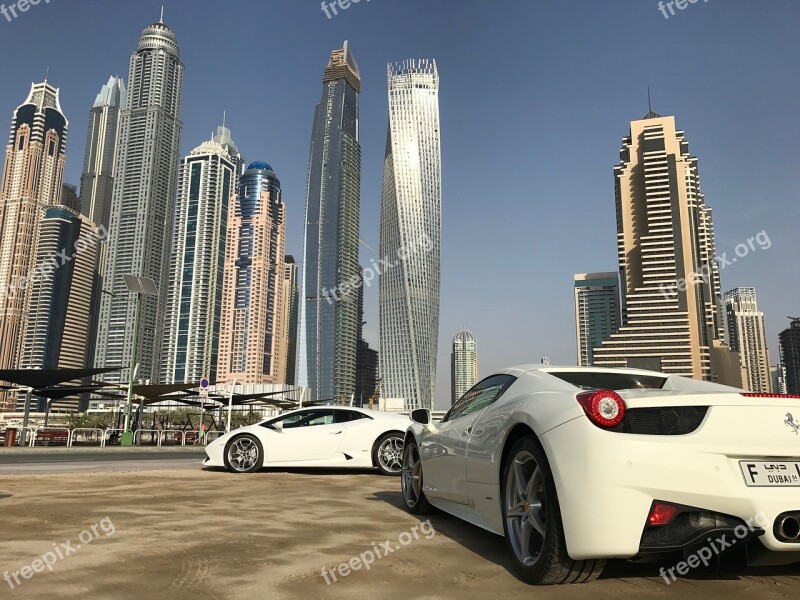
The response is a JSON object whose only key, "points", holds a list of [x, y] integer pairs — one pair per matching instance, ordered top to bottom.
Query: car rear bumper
{"points": [[607, 482]]}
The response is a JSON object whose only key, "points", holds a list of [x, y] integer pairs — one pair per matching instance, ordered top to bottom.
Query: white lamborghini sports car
{"points": [[319, 436], [574, 466]]}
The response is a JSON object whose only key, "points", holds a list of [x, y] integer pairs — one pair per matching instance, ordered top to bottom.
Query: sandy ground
{"points": [[208, 534]]}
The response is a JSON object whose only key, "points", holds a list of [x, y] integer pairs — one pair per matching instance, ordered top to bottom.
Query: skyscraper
{"points": [[99, 160], [33, 179], [207, 179], [97, 181], [142, 204], [411, 210], [291, 308], [597, 312], [329, 319], [671, 319], [57, 334], [747, 336], [251, 338], [790, 356], [366, 357], [464, 364], [778, 374]]}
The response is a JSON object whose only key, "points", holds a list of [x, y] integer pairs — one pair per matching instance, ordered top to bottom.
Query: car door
{"points": [[358, 432], [306, 435], [444, 452]]}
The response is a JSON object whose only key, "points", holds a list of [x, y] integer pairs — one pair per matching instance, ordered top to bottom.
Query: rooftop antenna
{"points": [[649, 107], [224, 114]]}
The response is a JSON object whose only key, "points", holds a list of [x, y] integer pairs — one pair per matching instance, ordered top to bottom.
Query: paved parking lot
{"points": [[207, 534]]}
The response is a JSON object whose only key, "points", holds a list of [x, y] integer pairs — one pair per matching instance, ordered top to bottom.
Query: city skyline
{"points": [[736, 182]]}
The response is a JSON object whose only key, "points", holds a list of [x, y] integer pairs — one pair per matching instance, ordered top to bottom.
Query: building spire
{"points": [[161, 20], [650, 114]]}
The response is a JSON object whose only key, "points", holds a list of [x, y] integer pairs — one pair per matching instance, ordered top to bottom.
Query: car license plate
{"points": [[770, 473]]}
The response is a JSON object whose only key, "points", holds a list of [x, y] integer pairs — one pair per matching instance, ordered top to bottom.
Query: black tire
{"points": [[387, 453], [244, 454], [411, 480], [527, 489]]}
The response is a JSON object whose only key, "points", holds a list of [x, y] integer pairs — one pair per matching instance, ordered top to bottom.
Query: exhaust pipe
{"points": [[787, 527]]}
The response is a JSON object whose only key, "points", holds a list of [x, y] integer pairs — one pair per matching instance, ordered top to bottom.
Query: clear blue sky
{"points": [[535, 97]]}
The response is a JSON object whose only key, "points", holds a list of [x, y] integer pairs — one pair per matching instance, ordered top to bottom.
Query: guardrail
{"points": [[50, 434], [98, 436], [153, 437], [172, 437]]}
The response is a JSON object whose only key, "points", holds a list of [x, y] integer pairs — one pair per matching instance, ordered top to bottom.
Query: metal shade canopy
{"points": [[45, 378], [155, 390], [61, 392]]}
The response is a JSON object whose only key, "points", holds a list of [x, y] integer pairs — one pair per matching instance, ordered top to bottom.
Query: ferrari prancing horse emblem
{"points": [[792, 423]]}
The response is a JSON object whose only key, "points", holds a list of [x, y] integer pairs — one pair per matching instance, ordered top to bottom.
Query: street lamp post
{"points": [[141, 286]]}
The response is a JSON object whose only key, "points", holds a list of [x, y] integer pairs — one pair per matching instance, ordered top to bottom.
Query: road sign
{"points": [[204, 387]]}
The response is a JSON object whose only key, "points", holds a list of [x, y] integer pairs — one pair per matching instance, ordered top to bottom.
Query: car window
{"points": [[599, 380], [480, 396], [345, 416], [305, 418]]}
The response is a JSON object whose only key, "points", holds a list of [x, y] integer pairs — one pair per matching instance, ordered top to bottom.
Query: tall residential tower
{"points": [[102, 139], [33, 178], [206, 182], [142, 206], [411, 215], [329, 308], [597, 312], [671, 319], [58, 330], [252, 335], [747, 336], [790, 356], [464, 364]]}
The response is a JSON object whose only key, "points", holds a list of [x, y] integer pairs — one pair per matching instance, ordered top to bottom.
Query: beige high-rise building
{"points": [[33, 179], [291, 307], [671, 319], [251, 336], [747, 336], [463, 364]]}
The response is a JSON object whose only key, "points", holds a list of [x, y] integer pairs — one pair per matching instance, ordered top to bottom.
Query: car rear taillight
{"points": [[760, 395], [605, 408], [661, 513]]}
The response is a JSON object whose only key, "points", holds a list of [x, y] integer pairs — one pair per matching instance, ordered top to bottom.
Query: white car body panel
{"points": [[337, 445], [606, 481]]}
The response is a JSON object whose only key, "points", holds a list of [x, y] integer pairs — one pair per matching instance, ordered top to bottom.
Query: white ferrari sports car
{"points": [[319, 436], [574, 466]]}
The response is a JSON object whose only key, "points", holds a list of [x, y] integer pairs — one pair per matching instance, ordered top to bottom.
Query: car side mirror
{"points": [[421, 416], [277, 427]]}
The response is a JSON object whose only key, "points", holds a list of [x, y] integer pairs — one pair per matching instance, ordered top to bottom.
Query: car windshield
{"points": [[597, 380]]}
